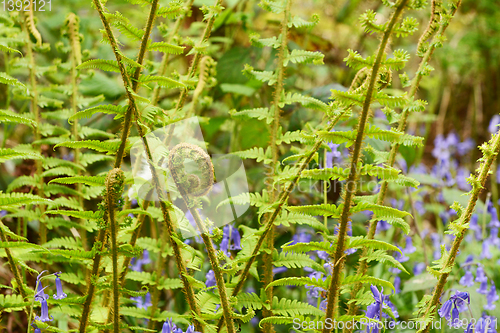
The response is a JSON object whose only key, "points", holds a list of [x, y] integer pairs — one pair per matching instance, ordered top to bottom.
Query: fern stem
{"points": [[197, 58], [36, 112], [490, 152], [351, 185], [114, 189], [282, 201], [267, 256], [12, 263], [363, 266], [159, 268], [93, 279], [221, 284]]}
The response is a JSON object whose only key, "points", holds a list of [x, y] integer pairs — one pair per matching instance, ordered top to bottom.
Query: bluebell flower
{"points": [[494, 122], [465, 146], [441, 149], [331, 155], [462, 175], [3, 213], [383, 225], [474, 226], [349, 233], [230, 234], [302, 236], [436, 244], [409, 246], [485, 253], [323, 255], [400, 257], [419, 268], [278, 270], [480, 276], [210, 279], [467, 280], [397, 284], [40, 294], [60, 294], [491, 298], [142, 302], [454, 305], [373, 310], [44, 316], [485, 324], [169, 327], [190, 329], [37, 330]]}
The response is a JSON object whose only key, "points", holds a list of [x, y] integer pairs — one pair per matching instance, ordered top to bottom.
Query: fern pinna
{"points": [[82, 121]]}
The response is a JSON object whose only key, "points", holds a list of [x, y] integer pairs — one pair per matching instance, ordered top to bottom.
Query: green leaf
{"points": [[166, 48], [304, 57], [105, 65], [162, 81], [108, 109], [259, 113], [7, 116], [109, 147], [10, 154], [87, 180], [12, 200], [321, 209], [295, 260], [367, 279], [302, 281], [294, 308]]}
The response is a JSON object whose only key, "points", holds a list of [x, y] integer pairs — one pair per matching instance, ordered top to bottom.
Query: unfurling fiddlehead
{"points": [[195, 185], [191, 186]]}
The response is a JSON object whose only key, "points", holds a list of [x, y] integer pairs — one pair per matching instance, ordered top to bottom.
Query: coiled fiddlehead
{"points": [[191, 185]]}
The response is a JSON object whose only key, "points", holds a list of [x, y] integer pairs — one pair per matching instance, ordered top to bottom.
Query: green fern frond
{"points": [[276, 7], [172, 11], [300, 23], [129, 31], [166, 48], [304, 57], [105, 65], [263, 76], [9, 80], [162, 81], [347, 98], [305, 101], [108, 109], [258, 113], [7, 116], [85, 132], [295, 136], [109, 147], [256, 153], [10, 154], [90, 158], [53, 162], [59, 171], [87, 180], [254, 199], [12, 200], [321, 210], [382, 212], [86, 215], [286, 218], [397, 222], [361, 241], [67, 242], [328, 247], [382, 257], [295, 260], [367, 279], [302, 281], [249, 300], [13, 302], [288, 307], [276, 320]]}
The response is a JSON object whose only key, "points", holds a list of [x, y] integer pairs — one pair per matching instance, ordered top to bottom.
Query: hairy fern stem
{"points": [[490, 152], [267, 257], [339, 258], [363, 265]]}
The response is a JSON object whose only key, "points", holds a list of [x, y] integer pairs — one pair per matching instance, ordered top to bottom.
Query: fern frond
{"points": [[166, 48], [304, 57], [105, 65], [9, 80], [162, 81], [305, 101], [108, 109], [258, 113], [7, 116], [109, 147], [256, 153], [10, 154], [87, 180], [12, 200], [315, 210], [382, 212], [86, 215], [286, 218], [328, 247], [383, 257], [295, 260], [367, 279], [302, 281], [249, 301], [294, 308]]}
